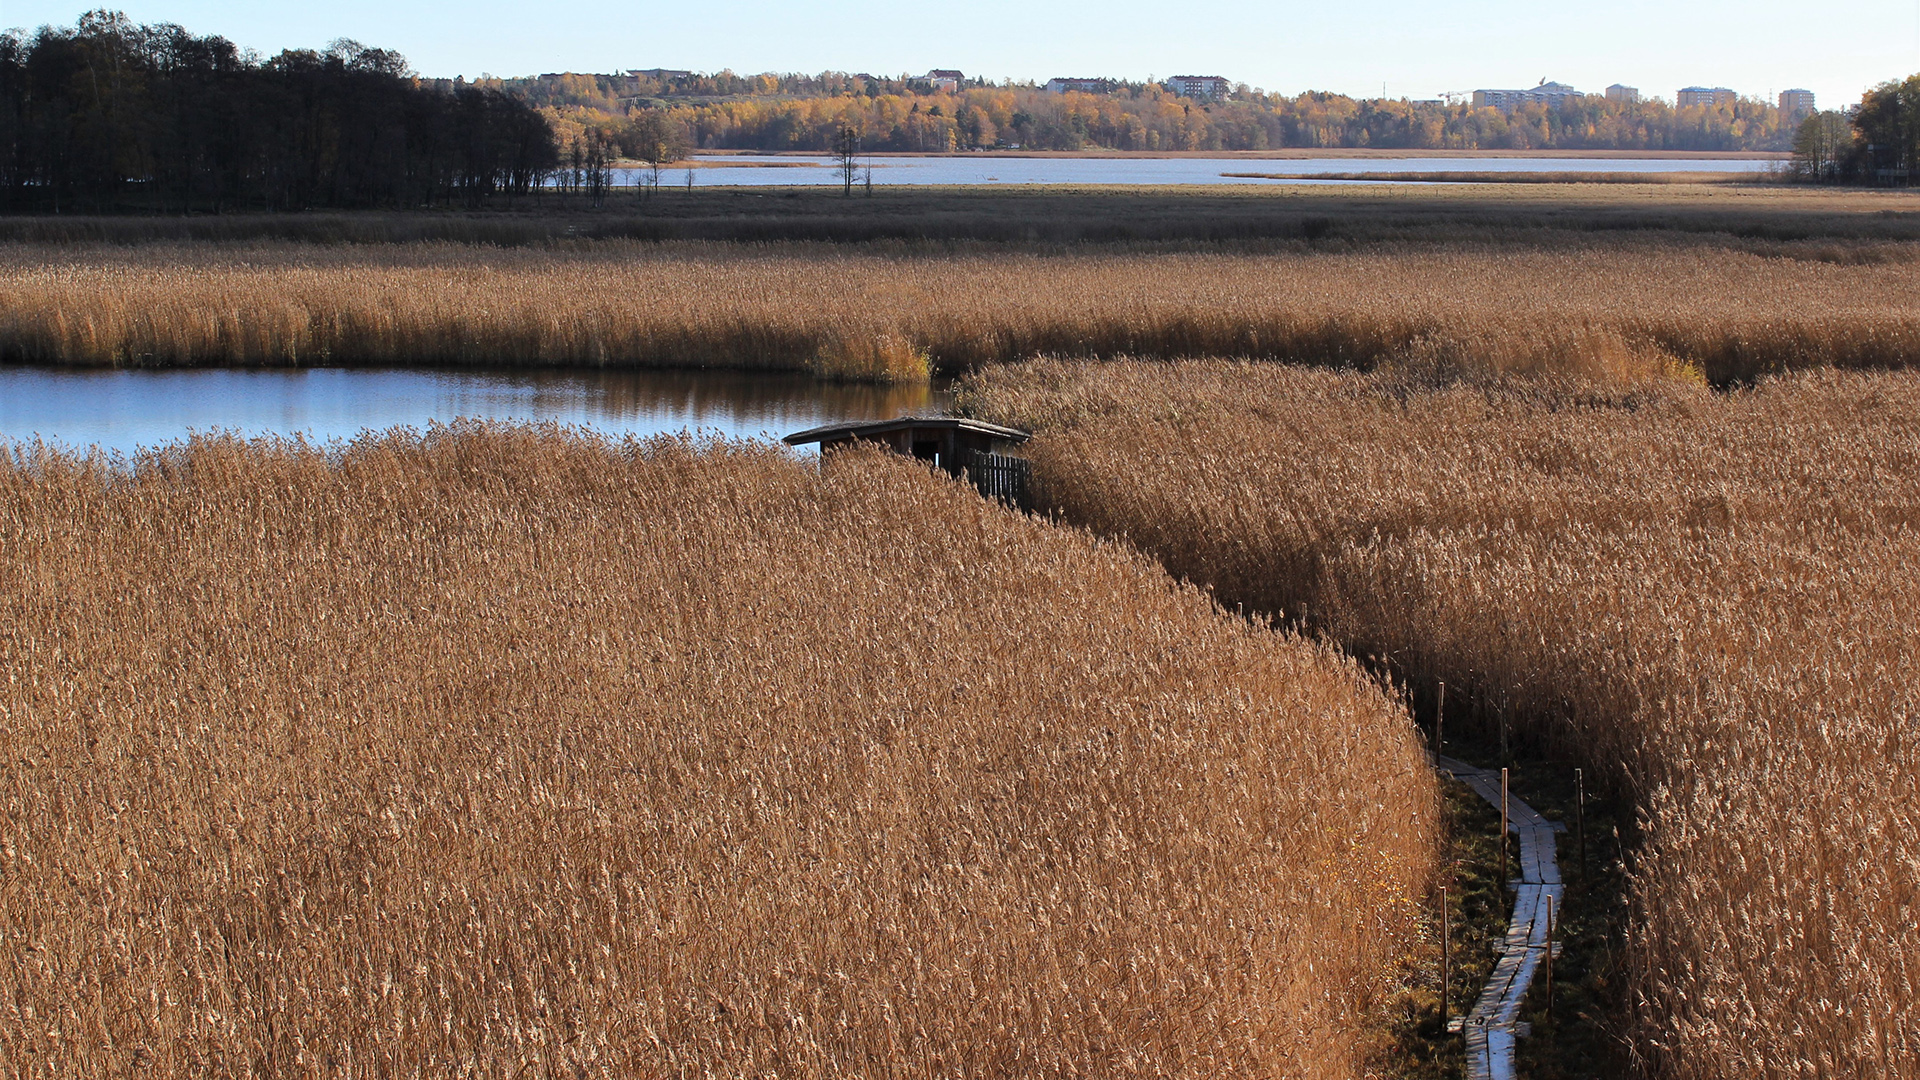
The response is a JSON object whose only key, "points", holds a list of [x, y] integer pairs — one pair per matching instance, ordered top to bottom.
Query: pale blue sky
{"points": [[1416, 49]]}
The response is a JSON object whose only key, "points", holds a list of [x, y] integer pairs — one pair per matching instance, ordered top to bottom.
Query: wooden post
{"points": [[1439, 723], [1580, 817], [1503, 827], [1549, 954], [1446, 966]]}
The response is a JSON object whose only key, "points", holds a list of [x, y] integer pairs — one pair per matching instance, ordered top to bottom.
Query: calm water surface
{"points": [[767, 170], [126, 410]]}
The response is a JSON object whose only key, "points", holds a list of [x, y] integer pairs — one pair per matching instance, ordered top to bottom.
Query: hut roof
{"points": [[870, 428]]}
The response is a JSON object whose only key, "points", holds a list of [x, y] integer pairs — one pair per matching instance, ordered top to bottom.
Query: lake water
{"points": [[770, 170], [125, 410]]}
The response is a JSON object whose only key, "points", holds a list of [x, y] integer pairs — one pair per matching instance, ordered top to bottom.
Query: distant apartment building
{"points": [[943, 79], [1078, 86], [1208, 87], [1551, 94], [1623, 95], [1705, 95], [1797, 103]]}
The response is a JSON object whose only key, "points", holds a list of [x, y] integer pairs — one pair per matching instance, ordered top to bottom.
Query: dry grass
{"points": [[1223, 214], [1612, 307], [1712, 598], [508, 752]]}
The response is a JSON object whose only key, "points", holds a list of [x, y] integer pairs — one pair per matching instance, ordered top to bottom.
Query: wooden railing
{"points": [[998, 476]]}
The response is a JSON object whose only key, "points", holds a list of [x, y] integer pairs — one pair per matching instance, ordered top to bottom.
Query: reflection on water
{"points": [[125, 410]]}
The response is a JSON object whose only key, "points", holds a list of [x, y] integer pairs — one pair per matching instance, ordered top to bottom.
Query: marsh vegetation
{"points": [[1408, 280], [1708, 599], [527, 753], [556, 753]]}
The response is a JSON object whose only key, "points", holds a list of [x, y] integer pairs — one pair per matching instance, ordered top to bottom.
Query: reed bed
{"points": [[1224, 214], [1609, 307], [1711, 599], [514, 752]]}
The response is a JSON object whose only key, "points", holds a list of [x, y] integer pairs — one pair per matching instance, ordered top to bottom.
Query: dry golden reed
{"points": [[1571, 304], [883, 357], [1711, 598], [512, 752]]}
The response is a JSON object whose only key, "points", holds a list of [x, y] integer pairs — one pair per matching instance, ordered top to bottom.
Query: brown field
{"points": [[1612, 305], [1708, 598], [509, 752]]}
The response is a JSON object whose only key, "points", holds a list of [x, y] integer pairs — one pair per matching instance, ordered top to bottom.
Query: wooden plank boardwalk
{"points": [[1493, 1025]]}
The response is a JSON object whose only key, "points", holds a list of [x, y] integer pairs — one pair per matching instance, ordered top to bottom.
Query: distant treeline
{"points": [[806, 112], [109, 115], [1877, 143]]}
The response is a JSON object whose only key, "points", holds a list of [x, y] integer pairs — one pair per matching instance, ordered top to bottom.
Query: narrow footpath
{"points": [[1493, 1025]]}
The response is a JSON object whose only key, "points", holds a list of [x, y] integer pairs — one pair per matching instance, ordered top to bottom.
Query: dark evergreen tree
{"points": [[109, 115]]}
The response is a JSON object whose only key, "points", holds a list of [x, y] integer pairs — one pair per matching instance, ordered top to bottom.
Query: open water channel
{"points": [[773, 170], [123, 411]]}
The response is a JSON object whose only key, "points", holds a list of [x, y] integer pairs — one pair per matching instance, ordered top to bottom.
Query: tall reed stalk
{"points": [[1605, 308], [1710, 600], [513, 752]]}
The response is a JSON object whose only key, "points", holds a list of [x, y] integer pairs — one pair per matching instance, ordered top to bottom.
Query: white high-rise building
{"points": [[1211, 87], [1547, 93], [1705, 95]]}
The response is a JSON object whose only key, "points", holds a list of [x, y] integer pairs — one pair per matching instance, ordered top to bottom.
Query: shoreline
{"points": [[1515, 177]]}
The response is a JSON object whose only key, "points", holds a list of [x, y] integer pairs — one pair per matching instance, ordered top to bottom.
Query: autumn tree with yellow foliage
{"points": [[806, 113]]}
